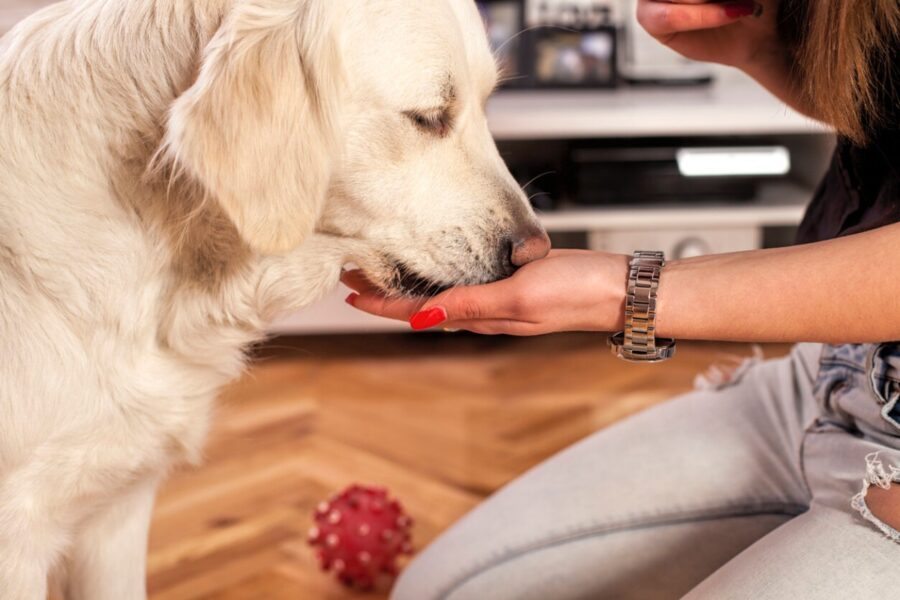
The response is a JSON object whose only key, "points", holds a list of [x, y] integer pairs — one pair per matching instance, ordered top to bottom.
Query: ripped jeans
{"points": [[754, 489]]}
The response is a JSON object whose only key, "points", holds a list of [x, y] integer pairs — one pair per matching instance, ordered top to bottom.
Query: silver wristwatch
{"points": [[638, 343]]}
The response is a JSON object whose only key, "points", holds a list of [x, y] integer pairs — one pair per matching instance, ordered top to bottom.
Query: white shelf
{"points": [[732, 105], [778, 204]]}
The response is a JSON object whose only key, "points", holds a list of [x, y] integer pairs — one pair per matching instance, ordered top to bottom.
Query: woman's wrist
{"points": [[608, 288], [665, 301], [679, 302]]}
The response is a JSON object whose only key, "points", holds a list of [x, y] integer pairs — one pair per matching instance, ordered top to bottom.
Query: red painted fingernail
{"points": [[739, 10], [351, 299], [427, 319]]}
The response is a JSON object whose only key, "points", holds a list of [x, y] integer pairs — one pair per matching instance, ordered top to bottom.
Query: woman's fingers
{"points": [[662, 19], [368, 298], [493, 301], [400, 309]]}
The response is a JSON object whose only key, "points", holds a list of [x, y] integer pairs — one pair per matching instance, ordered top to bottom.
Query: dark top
{"points": [[861, 190]]}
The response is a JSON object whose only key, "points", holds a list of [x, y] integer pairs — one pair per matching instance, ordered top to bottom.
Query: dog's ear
{"points": [[258, 128]]}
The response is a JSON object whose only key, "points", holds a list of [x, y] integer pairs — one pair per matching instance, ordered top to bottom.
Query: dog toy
{"points": [[359, 534]]}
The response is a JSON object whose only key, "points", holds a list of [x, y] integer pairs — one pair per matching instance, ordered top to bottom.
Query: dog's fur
{"points": [[172, 174]]}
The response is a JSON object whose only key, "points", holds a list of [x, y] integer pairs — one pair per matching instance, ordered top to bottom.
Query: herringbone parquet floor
{"points": [[440, 420]]}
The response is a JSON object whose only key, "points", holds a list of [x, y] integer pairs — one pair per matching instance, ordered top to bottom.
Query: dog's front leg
{"points": [[304, 275], [31, 538], [109, 552], [24, 567], [23, 571]]}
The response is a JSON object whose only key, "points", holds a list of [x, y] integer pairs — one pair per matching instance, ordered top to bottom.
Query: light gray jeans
{"points": [[755, 489]]}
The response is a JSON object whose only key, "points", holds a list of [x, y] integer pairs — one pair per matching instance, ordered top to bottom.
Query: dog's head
{"points": [[363, 119]]}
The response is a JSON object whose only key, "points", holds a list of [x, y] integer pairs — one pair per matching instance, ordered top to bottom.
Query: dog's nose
{"points": [[528, 244]]}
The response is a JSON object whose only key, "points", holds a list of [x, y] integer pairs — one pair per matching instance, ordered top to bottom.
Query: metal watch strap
{"points": [[638, 343]]}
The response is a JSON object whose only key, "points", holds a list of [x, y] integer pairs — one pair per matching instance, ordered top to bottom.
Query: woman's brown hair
{"points": [[845, 53]]}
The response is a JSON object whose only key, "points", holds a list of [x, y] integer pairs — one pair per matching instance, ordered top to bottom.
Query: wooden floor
{"points": [[442, 420]]}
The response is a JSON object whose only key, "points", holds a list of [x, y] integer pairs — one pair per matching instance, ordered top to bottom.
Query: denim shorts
{"points": [[859, 386]]}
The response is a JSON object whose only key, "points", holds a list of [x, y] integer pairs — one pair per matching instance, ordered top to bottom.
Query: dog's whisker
{"points": [[514, 37], [535, 178]]}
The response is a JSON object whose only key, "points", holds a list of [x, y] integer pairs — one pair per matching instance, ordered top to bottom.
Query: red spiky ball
{"points": [[359, 534]]}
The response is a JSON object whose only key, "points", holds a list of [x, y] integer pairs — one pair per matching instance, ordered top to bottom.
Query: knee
{"points": [[879, 501], [885, 505], [443, 573], [435, 575], [418, 581]]}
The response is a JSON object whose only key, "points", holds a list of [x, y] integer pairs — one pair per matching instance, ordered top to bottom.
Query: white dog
{"points": [[172, 174]]}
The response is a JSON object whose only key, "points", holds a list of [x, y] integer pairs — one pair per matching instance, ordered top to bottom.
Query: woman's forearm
{"points": [[843, 290], [839, 291]]}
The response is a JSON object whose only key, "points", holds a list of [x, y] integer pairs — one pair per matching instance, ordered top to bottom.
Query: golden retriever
{"points": [[173, 173]]}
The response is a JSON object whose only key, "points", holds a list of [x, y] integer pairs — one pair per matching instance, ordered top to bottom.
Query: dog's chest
{"points": [[159, 352], [176, 377]]}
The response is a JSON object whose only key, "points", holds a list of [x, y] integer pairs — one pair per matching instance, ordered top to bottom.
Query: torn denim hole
{"points": [[882, 365], [729, 371], [890, 410], [876, 475]]}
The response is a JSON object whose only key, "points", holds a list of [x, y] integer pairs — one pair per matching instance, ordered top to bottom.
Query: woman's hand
{"points": [[737, 33], [569, 290], [835, 292]]}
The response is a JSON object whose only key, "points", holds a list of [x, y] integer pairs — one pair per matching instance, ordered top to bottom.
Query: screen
{"points": [[575, 58]]}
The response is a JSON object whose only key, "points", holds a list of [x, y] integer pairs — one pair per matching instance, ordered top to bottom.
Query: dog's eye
{"points": [[436, 122]]}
